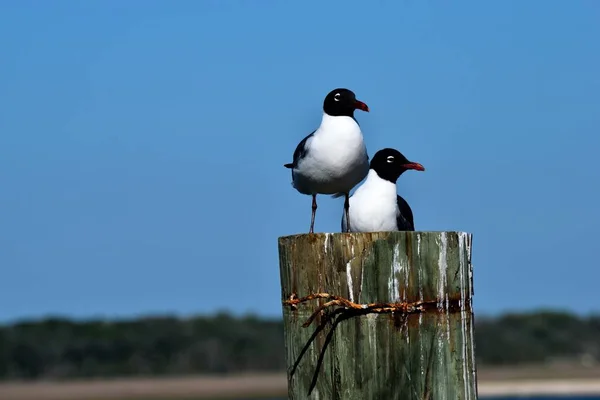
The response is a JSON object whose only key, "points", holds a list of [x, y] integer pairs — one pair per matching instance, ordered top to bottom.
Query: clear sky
{"points": [[142, 144]]}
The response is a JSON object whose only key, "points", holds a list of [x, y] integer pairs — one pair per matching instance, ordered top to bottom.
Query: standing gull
{"points": [[332, 159], [375, 206]]}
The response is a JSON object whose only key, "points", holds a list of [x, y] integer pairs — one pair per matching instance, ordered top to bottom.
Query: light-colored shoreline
{"points": [[263, 385], [191, 387], [578, 387]]}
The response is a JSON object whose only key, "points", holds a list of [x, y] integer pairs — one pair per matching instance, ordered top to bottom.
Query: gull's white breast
{"points": [[336, 159], [373, 207]]}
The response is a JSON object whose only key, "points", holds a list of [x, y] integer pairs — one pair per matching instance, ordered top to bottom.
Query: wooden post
{"points": [[392, 316]]}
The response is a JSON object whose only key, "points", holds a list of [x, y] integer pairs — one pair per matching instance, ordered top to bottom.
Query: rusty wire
{"points": [[369, 308]]}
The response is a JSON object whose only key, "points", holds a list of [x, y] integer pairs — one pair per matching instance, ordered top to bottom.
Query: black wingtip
{"points": [[290, 165]]}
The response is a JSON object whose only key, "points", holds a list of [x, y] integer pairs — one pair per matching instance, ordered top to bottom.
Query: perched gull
{"points": [[333, 159], [375, 206]]}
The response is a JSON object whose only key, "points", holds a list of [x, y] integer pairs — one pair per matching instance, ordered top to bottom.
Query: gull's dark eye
{"points": [[336, 97], [390, 159]]}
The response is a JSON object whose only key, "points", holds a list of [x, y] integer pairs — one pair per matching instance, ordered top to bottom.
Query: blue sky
{"points": [[142, 143]]}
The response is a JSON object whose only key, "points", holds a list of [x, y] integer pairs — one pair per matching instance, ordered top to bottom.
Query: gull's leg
{"points": [[347, 210], [314, 211]]}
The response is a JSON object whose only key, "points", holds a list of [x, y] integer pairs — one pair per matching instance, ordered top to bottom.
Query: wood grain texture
{"points": [[424, 355]]}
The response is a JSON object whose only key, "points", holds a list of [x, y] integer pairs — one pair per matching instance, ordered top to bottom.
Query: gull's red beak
{"points": [[359, 105], [414, 165]]}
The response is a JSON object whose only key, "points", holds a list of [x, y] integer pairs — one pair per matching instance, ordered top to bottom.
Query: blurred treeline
{"points": [[61, 348]]}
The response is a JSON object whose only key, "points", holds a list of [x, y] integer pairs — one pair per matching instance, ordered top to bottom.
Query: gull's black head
{"points": [[342, 102], [390, 164]]}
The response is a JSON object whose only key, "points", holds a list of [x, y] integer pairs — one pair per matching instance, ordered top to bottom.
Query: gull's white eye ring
{"points": [[336, 97], [390, 159]]}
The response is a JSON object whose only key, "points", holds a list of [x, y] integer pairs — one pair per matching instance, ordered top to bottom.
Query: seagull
{"points": [[333, 158], [375, 206]]}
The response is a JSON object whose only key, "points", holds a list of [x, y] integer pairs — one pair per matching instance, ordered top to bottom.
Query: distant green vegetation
{"points": [[536, 337], [61, 348]]}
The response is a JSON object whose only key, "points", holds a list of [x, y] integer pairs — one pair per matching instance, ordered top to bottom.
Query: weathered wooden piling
{"points": [[392, 316]]}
